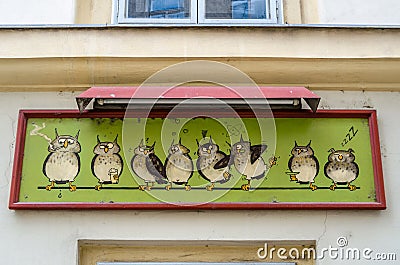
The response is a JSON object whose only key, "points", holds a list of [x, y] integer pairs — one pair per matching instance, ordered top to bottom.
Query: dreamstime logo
{"points": [[192, 125], [341, 252]]}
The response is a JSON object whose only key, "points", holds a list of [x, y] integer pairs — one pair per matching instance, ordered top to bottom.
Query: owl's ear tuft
{"points": [[56, 132], [77, 134], [241, 138], [98, 139], [116, 139], [180, 141], [197, 141], [210, 142], [141, 143], [228, 143], [295, 144], [308, 145], [152, 147], [332, 150], [350, 150]]}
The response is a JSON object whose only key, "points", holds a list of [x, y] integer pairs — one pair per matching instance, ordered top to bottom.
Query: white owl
{"points": [[107, 164], [62, 165], [178, 165], [341, 168]]}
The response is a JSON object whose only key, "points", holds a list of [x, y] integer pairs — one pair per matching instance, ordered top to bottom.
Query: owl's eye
{"points": [[61, 141], [70, 141], [110, 145], [102, 146], [239, 146], [211, 147], [141, 149], [204, 149]]}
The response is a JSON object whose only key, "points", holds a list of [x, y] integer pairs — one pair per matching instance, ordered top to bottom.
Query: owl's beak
{"points": [[65, 144], [106, 149], [209, 151], [145, 152], [298, 152], [340, 157]]}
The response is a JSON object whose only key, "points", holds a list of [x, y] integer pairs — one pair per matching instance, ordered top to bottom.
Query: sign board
{"points": [[324, 160]]}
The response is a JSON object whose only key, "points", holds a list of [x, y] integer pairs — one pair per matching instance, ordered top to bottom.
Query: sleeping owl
{"points": [[248, 161], [107, 163], [212, 164], [62, 165], [178, 165], [303, 165], [147, 166], [341, 168]]}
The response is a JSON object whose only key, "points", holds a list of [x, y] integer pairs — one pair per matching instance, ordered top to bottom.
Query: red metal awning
{"points": [[221, 93]]}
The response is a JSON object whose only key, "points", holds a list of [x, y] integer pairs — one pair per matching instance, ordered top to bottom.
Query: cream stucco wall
{"points": [[16, 12], [373, 12], [381, 12], [50, 237]]}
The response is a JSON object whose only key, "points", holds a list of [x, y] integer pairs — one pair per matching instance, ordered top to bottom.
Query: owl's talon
{"points": [[226, 175], [293, 178], [48, 187], [98, 187], [168, 187], [188, 187], [210, 187], [246, 187], [313, 187], [332, 187], [352, 187], [72, 188], [142, 188], [148, 188]]}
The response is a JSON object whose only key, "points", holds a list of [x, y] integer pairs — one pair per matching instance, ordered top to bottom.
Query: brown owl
{"points": [[303, 165]]}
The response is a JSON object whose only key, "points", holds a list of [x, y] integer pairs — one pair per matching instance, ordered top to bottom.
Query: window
{"points": [[199, 11]]}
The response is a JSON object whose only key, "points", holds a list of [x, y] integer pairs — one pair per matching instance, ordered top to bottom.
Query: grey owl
{"points": [[248, 161], [107, 164], [212, 164], [62, 165], [178, 165], [304, 165], [147, 166], [341, 168]]}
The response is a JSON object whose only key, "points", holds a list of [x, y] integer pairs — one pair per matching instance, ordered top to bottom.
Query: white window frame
{"points": [[271, 13], [197, 16], [123, 19]]}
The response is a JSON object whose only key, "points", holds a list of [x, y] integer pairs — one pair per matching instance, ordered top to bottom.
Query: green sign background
{"points": [[325, 133]]}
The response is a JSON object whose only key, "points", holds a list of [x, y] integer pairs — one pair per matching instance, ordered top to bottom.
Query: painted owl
{"points": [[248, 161], [107, 164], [212, 164], [62, 165], [303, 165], [147, 166], [178, 166], [341, 168]]}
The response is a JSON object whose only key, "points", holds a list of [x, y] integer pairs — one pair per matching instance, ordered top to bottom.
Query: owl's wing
{"points": [[256, 151], [224, 162], [290, 163], [92, 165], [316, 165], [156, 168], [199, 170]]}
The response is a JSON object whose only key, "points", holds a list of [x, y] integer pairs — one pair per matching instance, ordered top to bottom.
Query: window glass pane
{"points": [[158, 8], [236, 9]]}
